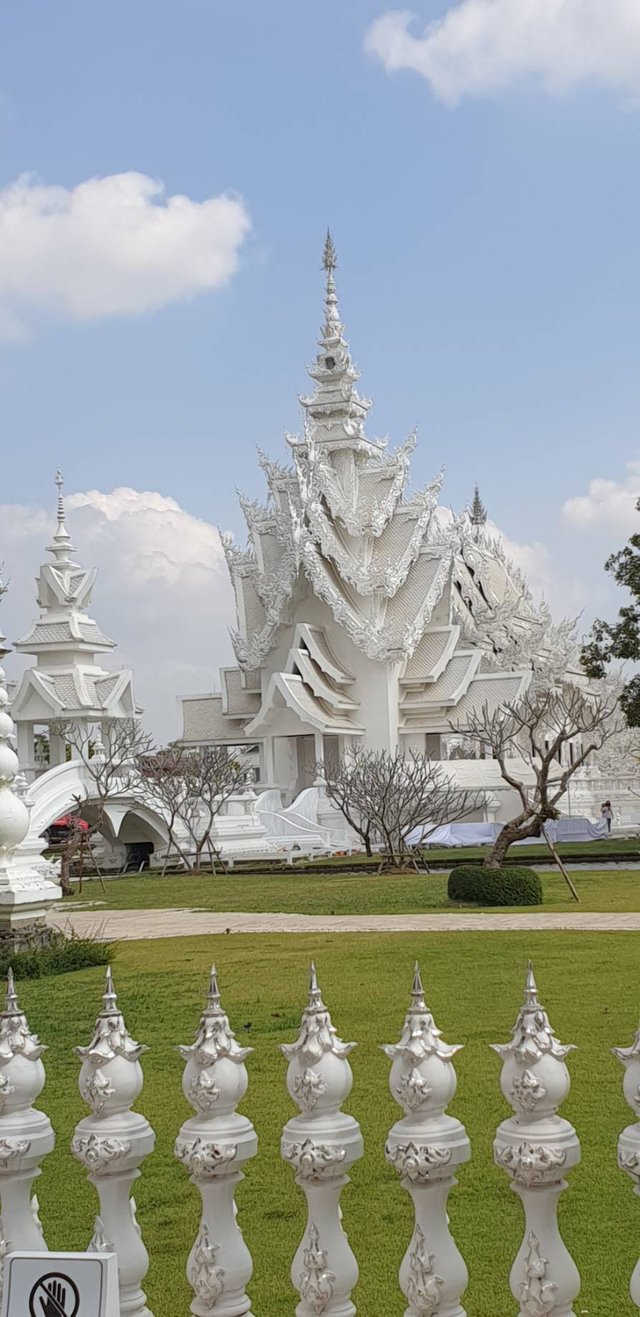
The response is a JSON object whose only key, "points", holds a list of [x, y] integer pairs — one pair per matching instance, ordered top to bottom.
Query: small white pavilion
{"points": [[67, 684]]}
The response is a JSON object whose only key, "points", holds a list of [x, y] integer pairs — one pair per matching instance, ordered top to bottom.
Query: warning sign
{"points": [[60, 1285]]}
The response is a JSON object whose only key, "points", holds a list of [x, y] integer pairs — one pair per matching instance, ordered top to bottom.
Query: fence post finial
{"points": [[26, 1135], [629, 1141], [112, 1142], [322, 1143], [214, 1146], [536, 1147], [426, 1148]]}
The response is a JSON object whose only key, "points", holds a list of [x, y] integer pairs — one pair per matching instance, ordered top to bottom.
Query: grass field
{"points": [[619, 846], [298, 892], [589, 983]]}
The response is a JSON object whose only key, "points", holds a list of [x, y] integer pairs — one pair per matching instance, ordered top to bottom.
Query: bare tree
{"points": [[537, 729], [113, 768], [194, 786], [387, 797], [75, 836]]}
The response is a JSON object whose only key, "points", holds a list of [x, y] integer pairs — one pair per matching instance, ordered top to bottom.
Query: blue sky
{"points": [[488, 249]]}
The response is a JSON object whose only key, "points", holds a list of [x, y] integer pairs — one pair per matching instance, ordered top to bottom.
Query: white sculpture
{"points": [[27, 889], [26, 1135], [629, 1141], [112, 1142], [322, 1143], [214, 1146], [536, 1147], [426, 1148]]}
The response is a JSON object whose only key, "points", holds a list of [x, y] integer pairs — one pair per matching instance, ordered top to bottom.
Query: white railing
{"points": [[535, 1146]]}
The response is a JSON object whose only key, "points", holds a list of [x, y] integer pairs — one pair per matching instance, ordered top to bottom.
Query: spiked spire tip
{"points": [[329, 258], [417, 990], [315, 994], [213, 996], [109, 997], [12, 1006]]}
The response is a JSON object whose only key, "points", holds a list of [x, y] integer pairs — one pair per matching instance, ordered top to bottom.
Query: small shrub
{"points": [[511, 885], [66, 952]]}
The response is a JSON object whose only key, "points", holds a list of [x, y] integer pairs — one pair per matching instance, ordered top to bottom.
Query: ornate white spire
{"points": [[332, 329], [335, 405], [477, 511], [61, 545], [14, 815]]}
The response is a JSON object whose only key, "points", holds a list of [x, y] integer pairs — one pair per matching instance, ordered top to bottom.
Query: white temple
{"points": [[366, 614], [67, 684]]}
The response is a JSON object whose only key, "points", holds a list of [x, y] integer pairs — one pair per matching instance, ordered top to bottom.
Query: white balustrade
{"points": [[26, 1135], [629, 1141], [112, 1142], [321, 1144], [214, 1146], [536, 1147], [425, 1148]]}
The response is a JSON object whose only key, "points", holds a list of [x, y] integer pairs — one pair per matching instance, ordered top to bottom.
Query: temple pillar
{"points": [[26, 750], [57, 750], [319, 756], [267, 765]]}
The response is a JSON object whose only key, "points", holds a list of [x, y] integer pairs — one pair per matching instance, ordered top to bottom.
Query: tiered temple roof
{"points": [[343, 558], [67, 683]]}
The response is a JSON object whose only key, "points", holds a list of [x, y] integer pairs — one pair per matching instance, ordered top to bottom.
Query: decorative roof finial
{"points": [[329, 258], [478, 512], [61, 543]]}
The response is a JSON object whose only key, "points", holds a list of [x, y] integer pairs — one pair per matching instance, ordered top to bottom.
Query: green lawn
{"points": [[616, 846], [297, 892], [589, 983]]}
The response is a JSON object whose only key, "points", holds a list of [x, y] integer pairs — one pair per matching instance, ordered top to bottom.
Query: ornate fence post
{"points": [[26, 1135], [629, 1141], [112, 1142], [322, 1144], [214, 1146], [536, 1147], [426, 1148]]}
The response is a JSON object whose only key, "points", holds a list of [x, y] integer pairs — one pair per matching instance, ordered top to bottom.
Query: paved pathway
{"points": [[131, 924]]}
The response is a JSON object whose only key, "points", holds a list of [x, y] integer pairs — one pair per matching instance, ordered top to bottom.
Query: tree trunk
{"points": [[515, 830], [65, 884]]}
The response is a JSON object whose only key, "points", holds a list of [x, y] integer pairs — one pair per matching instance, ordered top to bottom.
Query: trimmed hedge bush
{"points": [[511, 885]]}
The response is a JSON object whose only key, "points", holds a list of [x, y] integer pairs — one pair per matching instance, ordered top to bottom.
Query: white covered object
{"points": [[484, 834]]}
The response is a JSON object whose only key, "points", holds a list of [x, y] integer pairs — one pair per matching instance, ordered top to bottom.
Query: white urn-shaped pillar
{"points": [[25, 893], [26, 1135], [629, 1141], [112, 1142], [322, 1143], [214, 1146], [426, 1147], [536, 1147]]}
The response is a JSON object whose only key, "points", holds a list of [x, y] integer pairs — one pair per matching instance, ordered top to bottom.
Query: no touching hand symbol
{"points": [[54, 1295]]}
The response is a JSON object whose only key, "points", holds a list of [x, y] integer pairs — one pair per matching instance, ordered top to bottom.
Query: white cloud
{"points": [[480, 47], [110, 246], [609, 505], [162, 592]]}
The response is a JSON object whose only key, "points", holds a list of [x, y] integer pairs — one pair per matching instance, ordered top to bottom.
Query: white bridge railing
{"points": [[535, 1147]]}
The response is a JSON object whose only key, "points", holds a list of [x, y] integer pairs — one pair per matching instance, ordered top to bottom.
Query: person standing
{"points": [[607, 813]]}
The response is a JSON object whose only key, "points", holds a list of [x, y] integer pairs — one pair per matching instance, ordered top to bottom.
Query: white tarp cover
{"points": [[484, 834]]}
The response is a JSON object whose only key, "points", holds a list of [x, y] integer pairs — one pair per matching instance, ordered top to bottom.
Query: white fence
{"points": [[535, 1147]]}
